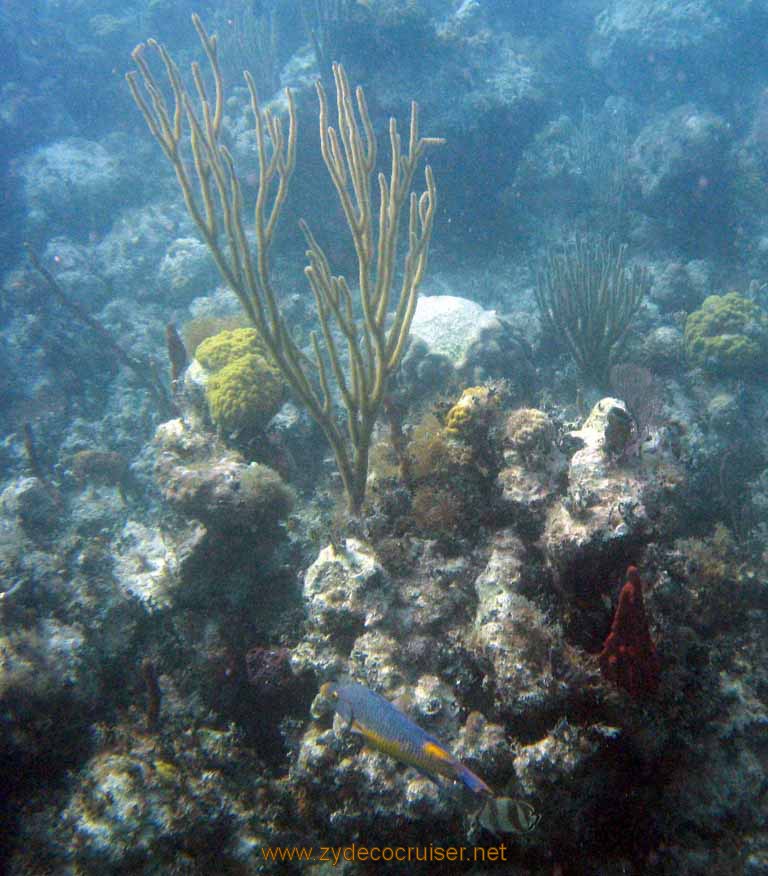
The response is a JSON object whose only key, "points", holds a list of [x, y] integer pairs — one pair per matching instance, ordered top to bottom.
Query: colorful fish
{"points": [[386, 728]]}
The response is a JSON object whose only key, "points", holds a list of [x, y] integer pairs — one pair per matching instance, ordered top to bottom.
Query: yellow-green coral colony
{"points": [[200, 328], [727, 335], [224, 347], [244, 389], [466, 414], [530, 433]]}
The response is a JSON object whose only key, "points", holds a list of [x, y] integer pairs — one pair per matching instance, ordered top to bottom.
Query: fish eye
{"points": [[328, 690]]}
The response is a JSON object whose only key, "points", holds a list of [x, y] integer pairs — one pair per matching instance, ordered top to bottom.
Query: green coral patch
{"points": [[727, 335], [223, 348], [245, 388], [245, 394]]}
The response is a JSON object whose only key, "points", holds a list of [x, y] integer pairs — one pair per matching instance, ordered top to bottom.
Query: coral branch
{"points": [[374, 340], [143, 370], [154, 694]]}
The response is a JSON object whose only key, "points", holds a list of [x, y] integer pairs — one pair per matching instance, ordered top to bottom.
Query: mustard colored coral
{"points": [[727, 335], [220, 349], [244, 389], [245, 394], [469, 411]]}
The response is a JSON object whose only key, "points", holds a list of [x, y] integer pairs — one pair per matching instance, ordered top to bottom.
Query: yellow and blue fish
{"points": [[386, 728]]}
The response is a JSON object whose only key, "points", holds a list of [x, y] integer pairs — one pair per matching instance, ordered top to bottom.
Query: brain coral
{"points": [[727, 335], [220, 349], [245, 389], [245, 394], [531, 433]]}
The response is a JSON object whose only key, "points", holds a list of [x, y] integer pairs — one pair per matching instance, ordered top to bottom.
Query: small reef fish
{"points": [[386, 728], [508, 815]]}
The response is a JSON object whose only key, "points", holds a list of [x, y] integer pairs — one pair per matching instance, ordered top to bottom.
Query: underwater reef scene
{"points": [[384, 459]]}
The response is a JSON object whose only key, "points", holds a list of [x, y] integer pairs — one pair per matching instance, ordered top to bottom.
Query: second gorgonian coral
{"points": [[587, 299]]}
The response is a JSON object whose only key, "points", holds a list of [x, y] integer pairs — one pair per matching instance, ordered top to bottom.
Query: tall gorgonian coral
{"points": [[587, 299], [374, 338]]}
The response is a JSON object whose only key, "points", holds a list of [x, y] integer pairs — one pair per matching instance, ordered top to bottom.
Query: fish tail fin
{"points": [[472, 781]]}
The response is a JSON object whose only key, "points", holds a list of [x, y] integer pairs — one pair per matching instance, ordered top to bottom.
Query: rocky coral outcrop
{"points": [[646, 46], [678, 155], [75, 184], [455, 337], [534, 470], [203, 480], [31, 505], [605, 510], [149, 563], [346, 592], [527, 652], [141, 797]]}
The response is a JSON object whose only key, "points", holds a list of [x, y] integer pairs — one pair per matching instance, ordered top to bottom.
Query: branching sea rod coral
{"points": [[375, 340]]}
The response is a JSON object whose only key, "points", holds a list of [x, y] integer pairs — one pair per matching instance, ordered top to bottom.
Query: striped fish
{"points": [[386, 728], [508, 815]]}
